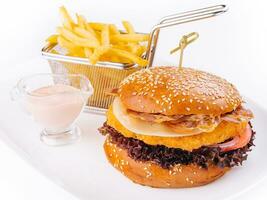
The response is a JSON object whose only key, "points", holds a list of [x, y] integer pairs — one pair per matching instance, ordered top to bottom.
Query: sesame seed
{"points": [[187, 108], [148, 175]]}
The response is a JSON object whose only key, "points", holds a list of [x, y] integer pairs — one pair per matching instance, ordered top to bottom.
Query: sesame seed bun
{"points": [[173, 91], [150, 174]]}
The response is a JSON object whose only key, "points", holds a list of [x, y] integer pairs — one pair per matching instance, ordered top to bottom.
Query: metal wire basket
{"points": [[105, 76]]}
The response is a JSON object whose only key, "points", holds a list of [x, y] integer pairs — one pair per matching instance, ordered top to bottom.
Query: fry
{"points": [[67, 21], [81, 21], [97, 26], [128, 27], [89, 28], [113, 29], [86, 34], [105, 36], [130, 38], [52, 39], [79, 41], [67, 45], [122, 47], [136, 49], [141, 50], [88, 52], [78, 53], [98, 53], [130, 56], [114, 58]]}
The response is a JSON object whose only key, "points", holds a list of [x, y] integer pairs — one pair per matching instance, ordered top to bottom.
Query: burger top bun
{"points": [[173, 91]]}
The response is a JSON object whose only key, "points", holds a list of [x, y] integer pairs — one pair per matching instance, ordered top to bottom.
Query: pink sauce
{"points": [[57, 106]]}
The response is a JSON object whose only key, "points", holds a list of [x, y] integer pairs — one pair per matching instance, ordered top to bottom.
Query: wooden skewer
{"points": [[185, 40]]}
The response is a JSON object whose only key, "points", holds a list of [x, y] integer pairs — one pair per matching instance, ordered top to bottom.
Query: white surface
{"points": [[237, 52], [83, 169]]}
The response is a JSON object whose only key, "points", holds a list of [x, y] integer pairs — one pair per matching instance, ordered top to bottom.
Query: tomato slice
{"points": [[238, 141]]}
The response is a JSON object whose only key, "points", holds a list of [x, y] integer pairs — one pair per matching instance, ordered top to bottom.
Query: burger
{"points": [[172, 127]]}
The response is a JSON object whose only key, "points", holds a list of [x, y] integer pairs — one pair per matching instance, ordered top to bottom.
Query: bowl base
{"points": [[65, 137]]}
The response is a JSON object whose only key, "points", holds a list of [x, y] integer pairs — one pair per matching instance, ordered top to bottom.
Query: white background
{"points": [[232, 46]]}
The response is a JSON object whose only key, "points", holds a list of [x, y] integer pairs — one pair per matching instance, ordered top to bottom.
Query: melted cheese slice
{"points": [[141, 127]]}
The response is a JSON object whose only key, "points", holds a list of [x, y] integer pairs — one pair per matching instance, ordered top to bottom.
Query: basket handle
{"points": [[180, 18]]}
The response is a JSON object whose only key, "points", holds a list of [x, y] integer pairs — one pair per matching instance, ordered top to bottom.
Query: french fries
{"points": [[66, 18], [81, 21], [97, 26], [128, 27], [113, 29], [86, 34], [105, 35], [130, 38], [52, 39], [75, 39], [99, 41], [72, 49], [88, 52], [98, 53], [130, 56]]}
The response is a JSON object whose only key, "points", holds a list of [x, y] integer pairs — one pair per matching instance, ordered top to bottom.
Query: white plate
{"points": [[83, 170]]}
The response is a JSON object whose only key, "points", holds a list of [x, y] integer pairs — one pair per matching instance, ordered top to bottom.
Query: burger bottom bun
{"points": [[151, 174]]}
